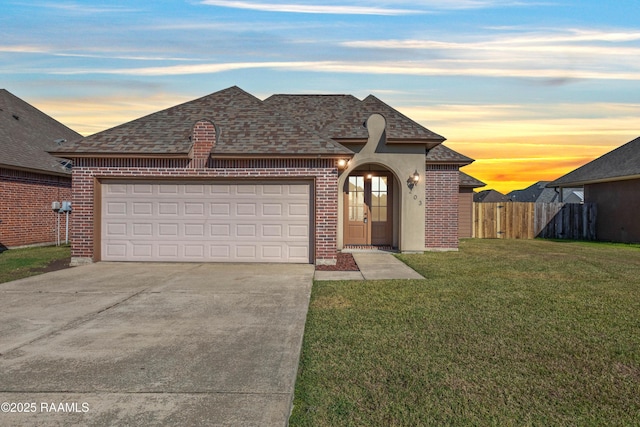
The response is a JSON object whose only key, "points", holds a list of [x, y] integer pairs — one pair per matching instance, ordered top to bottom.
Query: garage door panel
{"points": [[141, 189], [116, 208], [167, 209], [206, 222], [141, 230], [143, 250]]}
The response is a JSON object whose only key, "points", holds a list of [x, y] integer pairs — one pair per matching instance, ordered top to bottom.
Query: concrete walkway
{"points": [[373, 266]]}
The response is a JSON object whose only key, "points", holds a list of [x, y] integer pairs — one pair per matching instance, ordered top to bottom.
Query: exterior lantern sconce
{"points": [[342, 163], [413, 180]]}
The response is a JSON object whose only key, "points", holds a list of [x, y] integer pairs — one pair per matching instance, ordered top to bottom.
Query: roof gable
{"points": [[343, 117], [244, 123], [26, 134], [443, 154], [621, 163], [469, 181]]}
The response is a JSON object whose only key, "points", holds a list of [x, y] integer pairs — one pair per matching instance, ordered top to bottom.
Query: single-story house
{"points": [[30, 178], [292, 178], [612, 182], [540, 193], [489, 196], [465, 204]]}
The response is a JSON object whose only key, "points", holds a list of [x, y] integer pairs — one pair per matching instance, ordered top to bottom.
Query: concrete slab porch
{"points": [[373, 266]]}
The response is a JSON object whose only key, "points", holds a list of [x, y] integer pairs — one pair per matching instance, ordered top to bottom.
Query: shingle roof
{"points": [[316, 111], [342, 117], [245, 126], [25, 135], [443, 154], [621, 163], [469, 181], [489, 196]]}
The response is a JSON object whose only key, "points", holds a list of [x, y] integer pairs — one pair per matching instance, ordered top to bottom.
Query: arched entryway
{"points": [[370, 208]]}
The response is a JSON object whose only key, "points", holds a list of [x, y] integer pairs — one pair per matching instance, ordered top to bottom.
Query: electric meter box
{"points": [[66, 207]]}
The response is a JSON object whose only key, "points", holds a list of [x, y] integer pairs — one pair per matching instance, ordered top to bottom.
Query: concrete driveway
{"points": [[152, 344]]}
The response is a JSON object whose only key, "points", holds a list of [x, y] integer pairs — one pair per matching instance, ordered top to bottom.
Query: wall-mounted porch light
{"points": [[342, 163], [413, 180]]}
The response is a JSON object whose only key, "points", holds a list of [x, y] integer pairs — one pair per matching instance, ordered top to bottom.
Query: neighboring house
{"points": [[30, 178], [293, 178], [612, 181], [540, 193], [489, 196], [465, 203]]}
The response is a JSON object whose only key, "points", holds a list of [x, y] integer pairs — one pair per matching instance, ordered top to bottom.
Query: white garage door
{"points": [[169, 221]]}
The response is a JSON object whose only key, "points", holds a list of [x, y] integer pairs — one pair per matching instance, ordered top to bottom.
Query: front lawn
{"points": [[18, 263], [504, 333]]}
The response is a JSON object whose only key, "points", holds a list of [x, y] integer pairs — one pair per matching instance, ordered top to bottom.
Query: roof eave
{"points": [[430, 142], [114, 155], [282, 156], [450, 162], [38, 171], [581, 183], [472, 185]]}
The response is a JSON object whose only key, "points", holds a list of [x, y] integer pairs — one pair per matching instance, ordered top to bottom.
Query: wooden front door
{"points": [[368, 210]]}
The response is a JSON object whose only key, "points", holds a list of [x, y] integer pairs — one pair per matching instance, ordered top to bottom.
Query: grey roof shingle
{"points": [[316, 111], [342, 117], [279, 125], [245, 126], [398, 126], [26, 134], [443, 154], [621, 163], [469, 181], [489, 196]]}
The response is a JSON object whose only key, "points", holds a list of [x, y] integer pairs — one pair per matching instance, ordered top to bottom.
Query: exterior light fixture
{"points": [[342, 163], [369, 175], [413, 180]]}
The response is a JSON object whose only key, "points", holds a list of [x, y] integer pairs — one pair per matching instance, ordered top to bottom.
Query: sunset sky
{"points": [[530, 89]]}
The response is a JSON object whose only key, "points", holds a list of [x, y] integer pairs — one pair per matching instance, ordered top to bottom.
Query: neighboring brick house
{"points": [[30, 178], [293, 178], [612, 182]]}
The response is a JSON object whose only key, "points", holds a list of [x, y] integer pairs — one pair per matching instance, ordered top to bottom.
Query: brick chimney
{"points": [[203, 137]]}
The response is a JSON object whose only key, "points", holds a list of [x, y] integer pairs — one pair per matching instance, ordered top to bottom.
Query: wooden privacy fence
{"points": [[519, 220]]}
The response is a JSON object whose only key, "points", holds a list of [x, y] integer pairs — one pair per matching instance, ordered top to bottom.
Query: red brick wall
{"points": [[204, 138], [323, 171], [25, 207], [441, 207]]}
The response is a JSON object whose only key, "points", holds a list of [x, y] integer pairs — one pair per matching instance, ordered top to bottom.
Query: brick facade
{"points": [[203, 138], [323, 172], [441, 207], [25, 208]]}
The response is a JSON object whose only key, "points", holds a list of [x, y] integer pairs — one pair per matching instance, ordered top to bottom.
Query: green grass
{"points": [[19, 263], [501, 333]]}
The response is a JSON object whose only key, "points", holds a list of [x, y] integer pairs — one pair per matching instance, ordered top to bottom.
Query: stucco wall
{"points": [[402, 160], [25, 207], [618, 207], [427, 213]]}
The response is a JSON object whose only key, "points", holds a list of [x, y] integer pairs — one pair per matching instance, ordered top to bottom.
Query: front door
{"points": [[368, 210]]}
